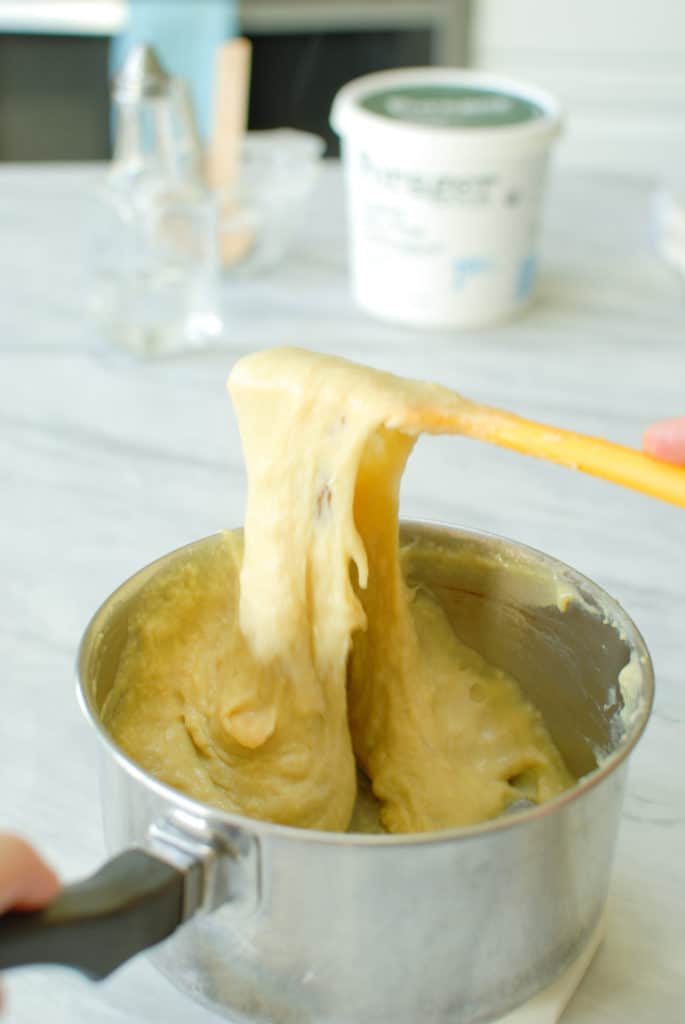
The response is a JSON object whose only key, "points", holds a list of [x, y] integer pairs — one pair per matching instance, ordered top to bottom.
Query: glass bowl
{"points": [[259, 219]]}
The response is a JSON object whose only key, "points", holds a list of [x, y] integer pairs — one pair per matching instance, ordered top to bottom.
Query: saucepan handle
{"points": [[134, 901]]}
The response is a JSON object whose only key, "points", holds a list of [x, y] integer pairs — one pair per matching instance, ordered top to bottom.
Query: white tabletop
{"points": [[108, 463]]}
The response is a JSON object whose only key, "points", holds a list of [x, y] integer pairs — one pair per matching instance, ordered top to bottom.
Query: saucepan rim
{"points": [[218, 818]]}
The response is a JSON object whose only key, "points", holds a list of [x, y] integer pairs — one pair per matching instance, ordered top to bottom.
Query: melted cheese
{"points": [[253, 681]]}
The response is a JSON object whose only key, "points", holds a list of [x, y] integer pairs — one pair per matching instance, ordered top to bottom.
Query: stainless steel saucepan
{"points": [[268, 923]]}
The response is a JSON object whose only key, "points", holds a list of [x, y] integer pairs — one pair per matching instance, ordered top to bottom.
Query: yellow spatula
{"points": [[592, 455]]}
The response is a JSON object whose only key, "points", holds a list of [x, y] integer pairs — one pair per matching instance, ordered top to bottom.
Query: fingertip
{"points": [[651, 440], [666, 440], [41, 890]]}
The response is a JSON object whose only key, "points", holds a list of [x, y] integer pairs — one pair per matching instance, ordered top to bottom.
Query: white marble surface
{"points": [[107, 463]]}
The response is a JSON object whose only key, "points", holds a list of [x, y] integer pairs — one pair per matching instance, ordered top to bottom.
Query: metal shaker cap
{"points": [[142, 77]]}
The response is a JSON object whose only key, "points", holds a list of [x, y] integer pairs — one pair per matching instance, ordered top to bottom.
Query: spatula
{"points": [[593, 455]]}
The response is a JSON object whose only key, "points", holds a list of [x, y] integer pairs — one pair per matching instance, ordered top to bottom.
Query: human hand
{"points": [[666, 440], [26, 882]]}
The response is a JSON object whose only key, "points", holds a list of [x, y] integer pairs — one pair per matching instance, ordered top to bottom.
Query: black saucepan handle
{"points": [[131, 903]]}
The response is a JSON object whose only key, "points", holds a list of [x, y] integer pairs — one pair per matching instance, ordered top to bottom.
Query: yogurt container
{"points": [[445, 170]]}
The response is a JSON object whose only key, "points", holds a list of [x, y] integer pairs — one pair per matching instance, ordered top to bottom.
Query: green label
{"points": [[452, 106]]}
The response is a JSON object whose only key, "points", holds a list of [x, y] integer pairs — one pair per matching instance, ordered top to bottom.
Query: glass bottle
{"points": [[157, 271]]}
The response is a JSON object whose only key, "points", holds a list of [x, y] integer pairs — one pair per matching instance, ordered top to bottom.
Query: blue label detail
{"points": [[465, 269], [526, 277]]}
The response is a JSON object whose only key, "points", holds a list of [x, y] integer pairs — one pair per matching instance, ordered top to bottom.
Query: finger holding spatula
{"points": [[666, 440]]}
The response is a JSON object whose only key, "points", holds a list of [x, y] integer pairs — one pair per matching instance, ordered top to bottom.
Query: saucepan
{"points": [[263, 922]]}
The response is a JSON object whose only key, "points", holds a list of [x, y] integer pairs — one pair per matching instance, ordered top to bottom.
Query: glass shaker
{"points": [[157, 269]]}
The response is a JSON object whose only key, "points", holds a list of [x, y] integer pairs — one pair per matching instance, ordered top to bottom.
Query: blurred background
{"points": [[617, 64]]}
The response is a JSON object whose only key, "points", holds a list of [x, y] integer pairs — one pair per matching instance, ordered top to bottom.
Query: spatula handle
{"points": [[446, 412], [592, 455], [133, 902]]}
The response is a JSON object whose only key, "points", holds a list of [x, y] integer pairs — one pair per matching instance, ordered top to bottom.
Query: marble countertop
{"points": [[108, 462]]}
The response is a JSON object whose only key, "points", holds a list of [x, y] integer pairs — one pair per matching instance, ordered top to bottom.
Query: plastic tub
{"points": [[445, 171]]}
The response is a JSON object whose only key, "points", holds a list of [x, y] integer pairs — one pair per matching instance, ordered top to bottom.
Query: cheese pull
{"points": [[417, 407], [259, 679]]}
